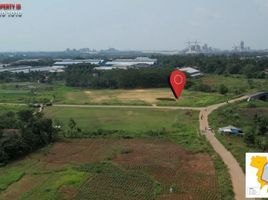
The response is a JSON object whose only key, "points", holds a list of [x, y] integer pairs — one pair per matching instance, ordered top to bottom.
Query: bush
{"points": [[203, 88], [223, 89], [22, 133], [250, 138]]}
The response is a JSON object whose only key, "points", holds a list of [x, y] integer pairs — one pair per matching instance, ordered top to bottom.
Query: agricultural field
{"points": [[240, 115], [124, 169]]}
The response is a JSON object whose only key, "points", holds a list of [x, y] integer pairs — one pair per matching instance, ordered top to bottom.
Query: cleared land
{"points": [[34, 92], [22, 93]]}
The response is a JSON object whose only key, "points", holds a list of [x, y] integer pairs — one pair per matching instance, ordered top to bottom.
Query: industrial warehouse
{"points": [[60, 64]]}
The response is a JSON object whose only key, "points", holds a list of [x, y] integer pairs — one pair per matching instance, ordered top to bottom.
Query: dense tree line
{"points": [[19, 61], [252, 67], [86, 76], [6, 77], [23, 132]]}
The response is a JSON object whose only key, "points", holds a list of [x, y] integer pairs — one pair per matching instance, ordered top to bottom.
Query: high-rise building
{"points": [[242, 45]]}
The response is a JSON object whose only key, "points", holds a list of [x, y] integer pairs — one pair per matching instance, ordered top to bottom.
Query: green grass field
{"points": [[21, 93], [14, 108], [240, 115], [128, 119], [180, 125]]}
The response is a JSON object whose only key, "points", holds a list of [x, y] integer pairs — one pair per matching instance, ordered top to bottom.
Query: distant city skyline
{"points": [[55, 25]]}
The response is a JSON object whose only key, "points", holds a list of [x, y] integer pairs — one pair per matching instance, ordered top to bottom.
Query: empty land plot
{"points": [[33, 92], [158, 96]]}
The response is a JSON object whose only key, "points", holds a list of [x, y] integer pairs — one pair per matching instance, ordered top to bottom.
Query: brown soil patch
{"points": [[147, 95], [71, 96], [93, 96], [78, 151], [168, 163], [171, 165], [193, 174], [25, 184], [67, 192]]}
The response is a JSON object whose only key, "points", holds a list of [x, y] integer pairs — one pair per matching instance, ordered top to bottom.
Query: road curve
{"points": [[235, 171]]}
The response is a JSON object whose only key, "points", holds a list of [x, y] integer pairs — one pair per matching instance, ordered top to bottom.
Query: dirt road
{"points": [[129, 106], [236, 173]]}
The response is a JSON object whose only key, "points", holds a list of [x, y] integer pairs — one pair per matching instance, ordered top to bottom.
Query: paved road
{"points": [[236, 173]]}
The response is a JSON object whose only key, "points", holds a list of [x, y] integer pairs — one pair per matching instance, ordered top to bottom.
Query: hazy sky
{"points": [[134, 24]]}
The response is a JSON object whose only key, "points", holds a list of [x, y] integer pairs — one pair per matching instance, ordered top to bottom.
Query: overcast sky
{"points": [[134, 24]]}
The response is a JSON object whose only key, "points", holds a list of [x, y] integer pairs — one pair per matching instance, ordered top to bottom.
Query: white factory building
{"points": [[67, 62], [131, 62], [61, 64], [104, 68], [28, 69], [193, 72]]}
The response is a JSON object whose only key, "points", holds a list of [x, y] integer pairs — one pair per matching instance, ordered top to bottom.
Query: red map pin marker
{"points": [[177, 82]]}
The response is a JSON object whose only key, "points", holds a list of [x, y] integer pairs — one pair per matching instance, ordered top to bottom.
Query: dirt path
{"points": [[128, 106], [236, 173]]}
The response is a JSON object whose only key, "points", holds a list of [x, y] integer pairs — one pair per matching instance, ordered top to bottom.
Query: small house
{"points": [[193, 72], [258, 96], [231, 130]]}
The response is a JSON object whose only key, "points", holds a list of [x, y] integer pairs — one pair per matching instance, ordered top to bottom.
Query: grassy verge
{"points": [[7, 107], [10, 177], [56, 180]]}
